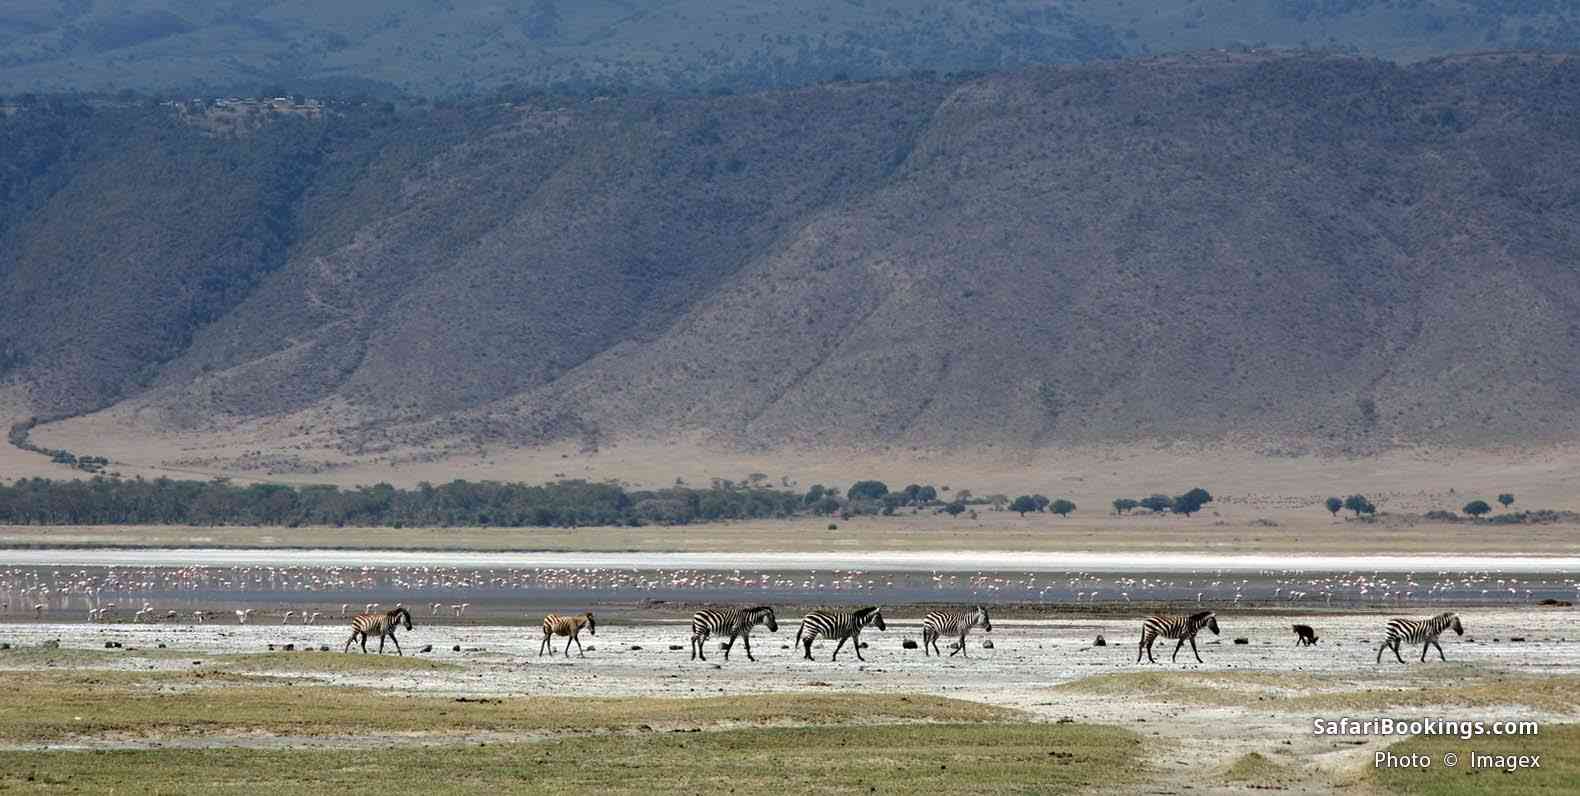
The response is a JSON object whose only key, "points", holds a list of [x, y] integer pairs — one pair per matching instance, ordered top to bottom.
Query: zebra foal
{"points": [[732, 621], [954, 622], [383, 625], [842, 625], [571, 628], [1183, 628], [1420, 631]]}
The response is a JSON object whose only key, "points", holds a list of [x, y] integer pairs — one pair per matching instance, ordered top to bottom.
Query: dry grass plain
{"points": [[1308, 533]]}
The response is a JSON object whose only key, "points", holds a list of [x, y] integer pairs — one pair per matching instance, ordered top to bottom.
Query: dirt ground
{"points": [[1257, 697]]}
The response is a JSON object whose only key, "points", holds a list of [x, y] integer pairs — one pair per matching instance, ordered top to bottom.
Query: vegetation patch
{"points": [[1298, 692], [59, 705], [1558, 746], [946, 758], [1257, 770]]}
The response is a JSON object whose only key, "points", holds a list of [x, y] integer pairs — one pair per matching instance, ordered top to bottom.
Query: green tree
{"points": [[867, 490], [927, 494], [1199, 496], [1506, 499], [1042, 502], [1156, 503], [1023, 504], [1186, 504], [1122, 505], [1335, 505], [1360, 505], [1062, 507], [955, 508], [1476, 508]]}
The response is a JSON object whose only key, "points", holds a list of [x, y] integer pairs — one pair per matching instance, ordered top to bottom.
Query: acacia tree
{"points": [[1506, 499], [1156, 503], [1023, 504], [1122, 505], [1335, 505], [1360, 505], [1062, 507], [1476, 508]]}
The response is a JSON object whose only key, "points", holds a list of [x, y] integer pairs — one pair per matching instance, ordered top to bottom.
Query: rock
{"points": [[1517, 638], [1242, 641], [1100, 642], [908, 644], [987, 644], [110, 645], [862, 645], [4, 646], [161, 646], [323, 647], [271, 648], [290, 648], [426, 648], [456, 648], [590, 648], [636, 648], [675, 648]]}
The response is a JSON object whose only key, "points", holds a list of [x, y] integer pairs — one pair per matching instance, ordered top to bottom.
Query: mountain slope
{"points": [[463, 47], [1257, 250]]}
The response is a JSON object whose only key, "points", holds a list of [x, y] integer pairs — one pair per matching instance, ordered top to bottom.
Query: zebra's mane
{"points": [[761, 608], [865, 611], [1200, 616]]}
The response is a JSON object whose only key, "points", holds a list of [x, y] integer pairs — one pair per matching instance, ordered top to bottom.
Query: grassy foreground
{"points": [[1301, 692], [49, 706], [1559, 747], [931, 758]]}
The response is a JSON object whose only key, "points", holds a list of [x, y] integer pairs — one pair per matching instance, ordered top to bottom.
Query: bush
{"points": [[867, 490], [1156, 503], [1023, 504], [1122, 505], [1360, 505], [1334, 506], [1062, 507], [1476, 508], [954, 509]]}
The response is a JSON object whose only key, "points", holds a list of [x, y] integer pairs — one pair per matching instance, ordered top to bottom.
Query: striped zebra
{"points": [[732, 621], [953, 622], [383, 625], [843, 625], [569, 626], [1183, 628], [1420, 631]]}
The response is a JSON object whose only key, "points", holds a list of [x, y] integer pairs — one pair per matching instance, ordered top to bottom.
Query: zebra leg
{"points": [[382, 636], [746, 639], [349, 640], [808, 644], [855, 644], [397, 645], [545, 645], [729, 645], [696, 646], [837, 648], [960, 648], [1193, 650], [1396, 650], [1379, 651], [1439, 651], [580, 653], [1176, 657]]}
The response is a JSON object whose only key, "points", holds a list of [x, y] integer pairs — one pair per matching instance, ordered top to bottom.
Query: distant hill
{"points": [[466, 47], [1341, 252]]}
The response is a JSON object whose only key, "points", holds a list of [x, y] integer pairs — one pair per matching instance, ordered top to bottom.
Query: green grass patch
{"points": [[65, 704], [1558, 745], [942, 758], [1256, 769]]}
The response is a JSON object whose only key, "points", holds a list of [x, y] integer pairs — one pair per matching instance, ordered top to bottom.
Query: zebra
{"points": [[732, 621], [952, 622], [384, 625], [843, 625], [570, 626], [1183, 628], [1420, 631]]}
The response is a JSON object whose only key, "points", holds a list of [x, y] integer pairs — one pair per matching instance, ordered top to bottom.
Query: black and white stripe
{"points": [[734, 622], [955, 623], [383, 625], [841, 625], [569, 626], [1183, 628], [1420, 631]]}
